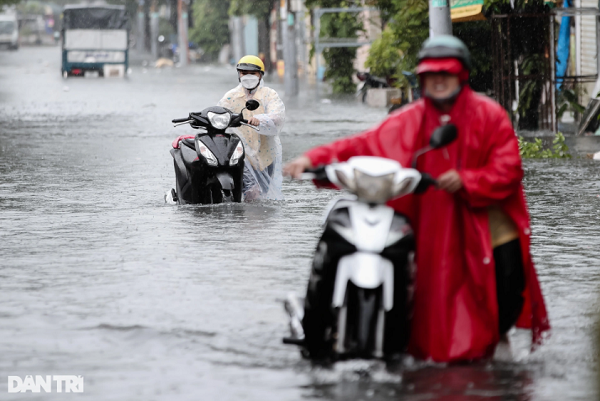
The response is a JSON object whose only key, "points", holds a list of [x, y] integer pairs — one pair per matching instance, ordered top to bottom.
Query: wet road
{"points": [[99, 278]]}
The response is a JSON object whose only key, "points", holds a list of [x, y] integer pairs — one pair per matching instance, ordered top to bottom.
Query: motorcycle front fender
{"points": [[226, 180], [365, 270]]}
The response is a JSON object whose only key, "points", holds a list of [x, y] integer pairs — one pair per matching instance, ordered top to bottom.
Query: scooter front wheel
{"points": [[217, 194], [220, 195], [227, 196], [360, 325]]}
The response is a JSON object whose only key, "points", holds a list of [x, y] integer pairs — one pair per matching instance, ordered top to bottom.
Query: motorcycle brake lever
{"points": [[185, 122], [308, 176]]}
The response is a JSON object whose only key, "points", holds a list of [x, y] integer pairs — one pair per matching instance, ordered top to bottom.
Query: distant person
{"points": [[262, 172], [475, 278]]}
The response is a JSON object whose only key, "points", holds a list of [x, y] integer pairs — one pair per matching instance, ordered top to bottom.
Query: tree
{"points": [[4, 3], [211, 25], [406, 29]]}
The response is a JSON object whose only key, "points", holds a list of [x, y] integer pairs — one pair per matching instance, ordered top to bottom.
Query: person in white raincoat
{"points": [[262, 170]]}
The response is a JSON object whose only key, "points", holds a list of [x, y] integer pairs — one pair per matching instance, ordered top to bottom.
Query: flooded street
{"points": [[99, 278]]}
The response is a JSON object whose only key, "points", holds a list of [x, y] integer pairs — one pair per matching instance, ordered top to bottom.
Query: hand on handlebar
{"points": [[254, 121], [296, 167], [449, 181]]}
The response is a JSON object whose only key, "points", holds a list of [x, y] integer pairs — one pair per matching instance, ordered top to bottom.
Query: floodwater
{"points": [[99, 278]]}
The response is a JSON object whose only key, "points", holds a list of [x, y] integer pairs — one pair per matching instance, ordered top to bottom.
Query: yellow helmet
{"points": [[251, 63]]}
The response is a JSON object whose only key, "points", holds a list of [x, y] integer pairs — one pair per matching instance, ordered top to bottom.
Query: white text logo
{"points": [[62, 384]]}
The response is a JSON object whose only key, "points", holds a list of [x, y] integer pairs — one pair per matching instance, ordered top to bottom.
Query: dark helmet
{"points": [[446, 46]]}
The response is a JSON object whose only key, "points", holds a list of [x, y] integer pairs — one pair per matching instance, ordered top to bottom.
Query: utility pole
{"points": [[288, 14], [440, 22], [300, 24], [182, 25], [141, 28], [154, 29], [238, 46]]}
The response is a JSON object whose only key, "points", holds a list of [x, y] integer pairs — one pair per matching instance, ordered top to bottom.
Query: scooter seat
{"points": [[189, 140]]}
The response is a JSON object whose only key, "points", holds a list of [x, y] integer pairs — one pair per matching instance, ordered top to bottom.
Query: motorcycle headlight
{"points": [[219, 121], [237, 153], [207, 154], [373, 189]]}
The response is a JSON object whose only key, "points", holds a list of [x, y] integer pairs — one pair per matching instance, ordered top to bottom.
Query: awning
{"points": [[466, 10], [472, 10]]}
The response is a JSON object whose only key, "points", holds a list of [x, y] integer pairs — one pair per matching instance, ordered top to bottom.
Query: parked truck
{"points": [[9, 30], [95, 39]]}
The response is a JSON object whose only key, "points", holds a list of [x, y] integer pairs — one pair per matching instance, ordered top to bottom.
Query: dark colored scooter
{"points": [[209, 166]]}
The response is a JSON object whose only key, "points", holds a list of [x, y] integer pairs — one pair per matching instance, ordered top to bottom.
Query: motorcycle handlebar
{"points": [[180, 120], [315, 170], [317, 173], [425, 183]]}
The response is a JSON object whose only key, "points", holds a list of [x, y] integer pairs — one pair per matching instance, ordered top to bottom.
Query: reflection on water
{"points": [[99, 277], [422, 381], [471, 382]]}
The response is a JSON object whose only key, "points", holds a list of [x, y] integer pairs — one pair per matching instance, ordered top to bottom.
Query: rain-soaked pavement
{"points": [[99, 278]]}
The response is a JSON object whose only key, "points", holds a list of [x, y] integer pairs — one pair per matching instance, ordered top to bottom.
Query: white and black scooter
{"points": [[210, 166], [357, 303]]}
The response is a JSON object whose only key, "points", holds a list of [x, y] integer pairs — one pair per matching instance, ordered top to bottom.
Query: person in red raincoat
{"points": [[475, 277]]}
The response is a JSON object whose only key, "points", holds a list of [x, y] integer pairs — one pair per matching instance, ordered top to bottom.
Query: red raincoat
{"points": [[455, 305]]}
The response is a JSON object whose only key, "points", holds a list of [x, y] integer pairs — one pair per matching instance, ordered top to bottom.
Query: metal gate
{"points": [[509, 81]]}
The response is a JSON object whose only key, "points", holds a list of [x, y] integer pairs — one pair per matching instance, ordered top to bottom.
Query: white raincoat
{"points": [[262, 172]]}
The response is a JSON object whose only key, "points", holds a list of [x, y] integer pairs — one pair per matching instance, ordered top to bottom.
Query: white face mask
{"points": [[249, 81]]}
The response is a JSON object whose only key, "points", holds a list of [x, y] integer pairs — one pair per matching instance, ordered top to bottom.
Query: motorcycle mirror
{"points": [[252, 104], [443, 136]]}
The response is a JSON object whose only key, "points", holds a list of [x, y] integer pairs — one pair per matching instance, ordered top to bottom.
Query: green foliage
{"points": [[4, 3], [31, 7], [387, 8], [211, 25], [410, 27], [397, 48], [385, 58], [339, 60], [340, 69], [530, 91], [567, 100], [536, 150]]}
